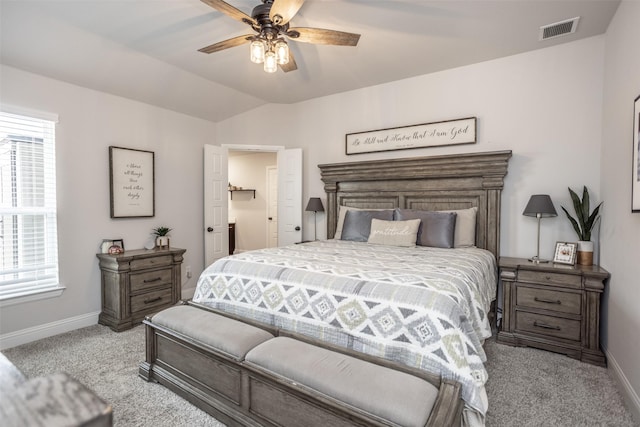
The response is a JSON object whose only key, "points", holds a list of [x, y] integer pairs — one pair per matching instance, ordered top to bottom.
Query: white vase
{"points": [[162, 242], [585, 252]]}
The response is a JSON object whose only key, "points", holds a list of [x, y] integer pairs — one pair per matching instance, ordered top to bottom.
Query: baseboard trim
{"points": [[24, 336], [629, 394]]}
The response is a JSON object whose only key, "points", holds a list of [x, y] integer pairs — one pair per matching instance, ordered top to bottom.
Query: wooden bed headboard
{"points": [[455, 181]]}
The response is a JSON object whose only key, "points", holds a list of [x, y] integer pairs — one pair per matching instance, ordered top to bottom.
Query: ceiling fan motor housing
{"points": [[265, 25]]}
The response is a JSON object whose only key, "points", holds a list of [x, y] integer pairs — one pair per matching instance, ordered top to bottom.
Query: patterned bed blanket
{"points": [[424, 307]]}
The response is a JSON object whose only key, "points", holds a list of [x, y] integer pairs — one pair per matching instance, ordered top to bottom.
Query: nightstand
{"points": [[137, 283], [553, 307]]}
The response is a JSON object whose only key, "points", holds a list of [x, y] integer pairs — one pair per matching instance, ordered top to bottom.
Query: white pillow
{"points": [[342, 211], [465, 231], [394, 233]]}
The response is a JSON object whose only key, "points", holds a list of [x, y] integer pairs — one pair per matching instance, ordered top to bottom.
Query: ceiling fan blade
{"points": [[283, 10], [231, 11], [322, 36], [226, 44], [291, 65]]}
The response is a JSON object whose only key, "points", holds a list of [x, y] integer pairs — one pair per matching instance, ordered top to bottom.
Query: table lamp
{"points": [[315, 206], [540, 206]]}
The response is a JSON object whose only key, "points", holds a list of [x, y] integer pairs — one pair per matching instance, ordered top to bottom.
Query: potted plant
{"points": [[583, 225], [162, 236]]}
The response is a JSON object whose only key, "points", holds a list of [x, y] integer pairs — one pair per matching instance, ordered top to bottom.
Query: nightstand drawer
{"points": [[157, 261], [544, 277], [150, 279], [144, 302], [563, 302], [548, 325]]}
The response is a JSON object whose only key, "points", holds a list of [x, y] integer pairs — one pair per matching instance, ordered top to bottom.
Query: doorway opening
{"points": [[217, 198], [253, 205]]}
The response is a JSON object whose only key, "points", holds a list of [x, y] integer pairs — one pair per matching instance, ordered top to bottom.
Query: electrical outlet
{"points": [[188, 270]]}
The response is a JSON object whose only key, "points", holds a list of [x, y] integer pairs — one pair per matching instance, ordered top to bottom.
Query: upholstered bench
{"points": [[245, 374]]}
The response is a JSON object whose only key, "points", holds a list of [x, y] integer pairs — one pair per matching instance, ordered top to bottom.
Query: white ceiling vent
{"points": [[558, 29]]}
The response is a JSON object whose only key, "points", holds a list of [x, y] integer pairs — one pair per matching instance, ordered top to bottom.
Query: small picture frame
{"points": [[112, 246], [565, 253]]}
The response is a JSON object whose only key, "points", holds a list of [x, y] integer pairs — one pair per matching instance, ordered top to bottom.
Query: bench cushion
{"points": [[229, 336], [395, 396]]}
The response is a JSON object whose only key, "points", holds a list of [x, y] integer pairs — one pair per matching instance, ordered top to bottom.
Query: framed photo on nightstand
{"points": [[565, 253]]}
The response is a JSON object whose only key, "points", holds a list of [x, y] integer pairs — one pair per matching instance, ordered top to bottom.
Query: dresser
{"points": [[137, 283], [553, 307]]}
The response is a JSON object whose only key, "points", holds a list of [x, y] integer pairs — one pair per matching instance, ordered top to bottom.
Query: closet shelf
{"points": [[244, 189]]}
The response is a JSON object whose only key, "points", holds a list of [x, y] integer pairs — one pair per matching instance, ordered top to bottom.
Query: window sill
{"points": [[28, 296]]}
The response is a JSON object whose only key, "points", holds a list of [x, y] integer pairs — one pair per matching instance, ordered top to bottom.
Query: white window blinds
{"points": [[28, 232]]}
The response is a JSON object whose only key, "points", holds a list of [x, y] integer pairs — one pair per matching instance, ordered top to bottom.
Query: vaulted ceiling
{"points": [[147, 50]]}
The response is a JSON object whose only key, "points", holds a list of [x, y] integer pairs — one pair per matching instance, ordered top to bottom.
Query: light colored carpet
{"points": [[526, 387]]}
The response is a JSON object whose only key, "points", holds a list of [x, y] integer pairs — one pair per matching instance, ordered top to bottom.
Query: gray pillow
{"points": [[357, 224], [437, 229]]}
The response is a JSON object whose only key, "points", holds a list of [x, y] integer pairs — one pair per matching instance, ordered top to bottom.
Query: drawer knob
{"points": [[152, 280], [149, 301], [547, 301], [545, 326]]}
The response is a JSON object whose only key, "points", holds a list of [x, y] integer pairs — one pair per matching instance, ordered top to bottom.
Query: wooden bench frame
{"points": [[244, 394]]}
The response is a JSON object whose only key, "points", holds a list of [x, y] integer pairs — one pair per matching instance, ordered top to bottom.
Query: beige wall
{"points": [[620, 227]]}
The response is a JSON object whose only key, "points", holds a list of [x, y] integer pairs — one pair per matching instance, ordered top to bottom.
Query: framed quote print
{"points": [[132, 180]]}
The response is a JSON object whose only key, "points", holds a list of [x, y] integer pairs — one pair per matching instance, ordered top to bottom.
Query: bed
{"points": [[426, 307]]}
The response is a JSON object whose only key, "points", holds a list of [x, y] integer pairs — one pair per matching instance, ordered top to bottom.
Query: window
{"points": [[28, 232]]}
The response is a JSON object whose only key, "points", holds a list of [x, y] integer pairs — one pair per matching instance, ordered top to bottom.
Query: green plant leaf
{"points": [[585, 203], [577, 206], [585, 221], [573, 222], [591, 222], [161, 231]]}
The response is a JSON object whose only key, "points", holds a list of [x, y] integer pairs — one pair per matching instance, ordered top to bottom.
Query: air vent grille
{"points": [[559, 28]]}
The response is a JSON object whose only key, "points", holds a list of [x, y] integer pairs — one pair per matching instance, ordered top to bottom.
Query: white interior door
{"points": [[289, 196], [216, 204], [272, 207]]}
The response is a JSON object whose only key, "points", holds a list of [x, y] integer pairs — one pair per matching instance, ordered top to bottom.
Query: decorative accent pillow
{"points": [[342, 212], [357, 223], [437, 229], [394, 233], [465, 234]]}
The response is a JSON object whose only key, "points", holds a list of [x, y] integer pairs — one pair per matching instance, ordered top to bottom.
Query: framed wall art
{"points": [[449, 132], [635, 181], [132, 182], [565, 253]]}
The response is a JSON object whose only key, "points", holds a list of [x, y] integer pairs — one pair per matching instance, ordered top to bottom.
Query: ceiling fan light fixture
{"points": [[257, 51], [282, 52], [270, 63]]}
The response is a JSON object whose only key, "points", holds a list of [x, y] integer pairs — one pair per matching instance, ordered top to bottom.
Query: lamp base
{"points": [[537, 260]]}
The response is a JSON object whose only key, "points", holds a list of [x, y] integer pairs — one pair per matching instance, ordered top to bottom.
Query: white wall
{"points": [[544, 105], [90, 122], [248, 170], [621, 228]]}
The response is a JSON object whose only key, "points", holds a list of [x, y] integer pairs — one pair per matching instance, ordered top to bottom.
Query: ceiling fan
{"points": [[270, 20]]}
